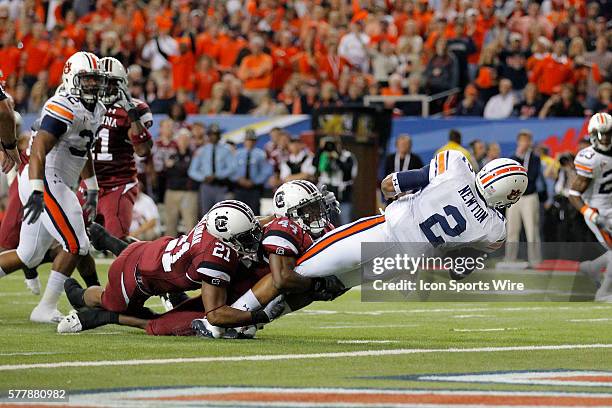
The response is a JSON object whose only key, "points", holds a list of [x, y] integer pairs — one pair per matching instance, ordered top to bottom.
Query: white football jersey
{"points": [[69, 155], [598, 167], [448, 212]]}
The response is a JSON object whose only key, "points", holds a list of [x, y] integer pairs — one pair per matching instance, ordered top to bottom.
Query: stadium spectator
{"points": [[353, 46], [160, 48], [384, 61], [512, 63], [256, 70], [553, 70], [442, 71], [236, 102], [603, 103], [215, 104], [530, 104], [562, 104], [470, 105], [501, 105], [454, 143], [163, 148], [493, 152], [479, 153], [403, 159], [298, 164], [211, 166], [337, 169], [251, 172], [181, 198], [526, 212], [146, 225]]}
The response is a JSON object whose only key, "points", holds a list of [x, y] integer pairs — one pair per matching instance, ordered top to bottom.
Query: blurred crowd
{"points": [[521, 58]]}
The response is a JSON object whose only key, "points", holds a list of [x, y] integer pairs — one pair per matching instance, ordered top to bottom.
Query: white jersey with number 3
{"points": [[67, 158], [596, 166], [448, 212]]}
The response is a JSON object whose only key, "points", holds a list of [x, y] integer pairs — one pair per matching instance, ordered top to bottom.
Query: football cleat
{"points": [[102, 240], [33, 285], [42, 314], [70, 323], [202, 328]]}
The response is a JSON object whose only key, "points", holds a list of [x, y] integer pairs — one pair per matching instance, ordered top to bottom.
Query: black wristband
{"points": [[133, 114], [9, 146], [259, 316]]}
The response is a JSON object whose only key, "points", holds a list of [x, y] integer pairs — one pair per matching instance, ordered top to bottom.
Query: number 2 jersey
{"points": [[113, 151], [69, 155], [597, 166], [449, 211], [169, 265]]}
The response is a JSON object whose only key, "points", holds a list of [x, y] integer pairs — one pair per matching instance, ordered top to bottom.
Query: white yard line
{"points": [[445, 310], [469, 316], [602, 319], [368, 326], [495, 329], [367, 341], [30, 353], [282, 357]]}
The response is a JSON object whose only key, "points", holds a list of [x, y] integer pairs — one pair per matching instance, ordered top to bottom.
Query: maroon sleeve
{"points": [[284, 237], [216, 263]]}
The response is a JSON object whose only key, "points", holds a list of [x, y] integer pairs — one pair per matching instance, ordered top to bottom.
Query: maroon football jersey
{"points": [[113, 151], [285, 237], [181, 264]]}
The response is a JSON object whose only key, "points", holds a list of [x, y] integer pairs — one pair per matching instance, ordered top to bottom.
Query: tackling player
{"points": [[124, 131], [60, 153], [591, 194], [302, 215], [207, 258]]}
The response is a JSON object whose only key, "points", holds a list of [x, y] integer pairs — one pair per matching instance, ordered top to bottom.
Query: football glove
{"points": [[126, 103], [329, 198], [34, 207], [90, 208], [327, 288], [272, 310]]}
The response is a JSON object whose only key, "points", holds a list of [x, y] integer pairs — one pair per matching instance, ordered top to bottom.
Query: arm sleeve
{"points": [[54, 126], [584, 163], [194, 168], [411, 179]]}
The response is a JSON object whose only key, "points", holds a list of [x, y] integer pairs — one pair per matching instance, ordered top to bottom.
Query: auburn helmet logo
{"points": [[67, 67], [514, 195], [221, 223]]}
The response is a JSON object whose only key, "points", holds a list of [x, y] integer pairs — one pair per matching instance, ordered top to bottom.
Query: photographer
{"points": [[337, 168]]}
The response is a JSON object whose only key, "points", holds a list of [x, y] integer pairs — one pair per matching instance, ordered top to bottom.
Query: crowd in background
{"points": [[521, 58]]}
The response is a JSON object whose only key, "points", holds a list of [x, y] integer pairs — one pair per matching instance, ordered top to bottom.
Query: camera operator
{"points": [[337, 168]]}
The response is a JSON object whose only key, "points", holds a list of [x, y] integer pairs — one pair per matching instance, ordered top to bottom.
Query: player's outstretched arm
{"points": [[43, 143], [397, 183], [284, 277], [219, 314]]}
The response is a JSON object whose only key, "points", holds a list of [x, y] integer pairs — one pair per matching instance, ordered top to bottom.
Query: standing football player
{"points": [[124, 131], [60, 154], [591, 194]]}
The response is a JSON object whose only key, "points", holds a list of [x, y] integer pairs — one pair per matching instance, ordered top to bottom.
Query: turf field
{"points": [[344, 352]]}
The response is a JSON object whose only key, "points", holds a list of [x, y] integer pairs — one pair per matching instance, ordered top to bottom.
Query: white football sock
{"points": [[2, 273], [53, 291], [248, 301]]}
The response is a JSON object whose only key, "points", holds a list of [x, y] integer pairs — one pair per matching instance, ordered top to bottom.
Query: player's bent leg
{"points": [[117, 208], [103, 241], [87, 269], [89, 318]]}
